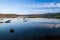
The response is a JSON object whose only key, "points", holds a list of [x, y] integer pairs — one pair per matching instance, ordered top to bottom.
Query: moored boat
{"points": [[8, 21]]}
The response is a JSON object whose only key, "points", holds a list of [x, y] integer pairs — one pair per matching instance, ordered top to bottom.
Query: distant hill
{"points": [[8, 15], [46, 15], [52, 15]]}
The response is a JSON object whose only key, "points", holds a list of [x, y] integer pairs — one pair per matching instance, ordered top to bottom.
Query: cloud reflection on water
{"points": [[44, 22]]}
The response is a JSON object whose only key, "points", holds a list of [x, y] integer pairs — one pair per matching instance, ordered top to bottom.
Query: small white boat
{"points": [[24, 20], [1, 21]]}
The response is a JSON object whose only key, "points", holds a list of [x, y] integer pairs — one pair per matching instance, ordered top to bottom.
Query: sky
{"points": [[29, 6]]}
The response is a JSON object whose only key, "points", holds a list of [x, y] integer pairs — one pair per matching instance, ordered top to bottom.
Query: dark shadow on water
{"points": [[35, 34], [47, 37]]}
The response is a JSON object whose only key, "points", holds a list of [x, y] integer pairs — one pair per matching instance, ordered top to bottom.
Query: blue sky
{"points": [[29, 6]]}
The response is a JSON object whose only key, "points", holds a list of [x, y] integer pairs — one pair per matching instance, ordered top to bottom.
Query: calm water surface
{"points": [[33, 27]]}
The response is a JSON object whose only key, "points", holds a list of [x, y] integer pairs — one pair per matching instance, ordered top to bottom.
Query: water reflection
{"points": [[34, 27]]}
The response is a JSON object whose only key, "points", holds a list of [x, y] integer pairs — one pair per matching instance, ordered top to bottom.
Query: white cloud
{"points": [[46, 5], [30, 8], [46, 8], [46, 11]]}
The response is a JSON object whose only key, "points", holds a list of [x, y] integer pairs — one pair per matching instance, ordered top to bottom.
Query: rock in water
{"points": [[12, 30]]}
